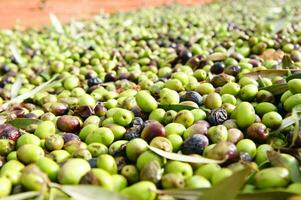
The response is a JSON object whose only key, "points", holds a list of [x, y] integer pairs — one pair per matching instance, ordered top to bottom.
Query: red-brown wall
{"points": [[29, 13]]}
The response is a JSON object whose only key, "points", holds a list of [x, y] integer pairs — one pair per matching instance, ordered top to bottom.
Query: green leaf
{"points": [[56, 23], [279, 25], [14, 50], [287, 61], [45, 75], [293, 76], [16, 87], [276, 89], [21, 98], [176, 107], [296, 118], [288, 121], [23, 123], [183, 158], [277, 159], [229, 188], [89, 192], [269, 195], [21, 196]]}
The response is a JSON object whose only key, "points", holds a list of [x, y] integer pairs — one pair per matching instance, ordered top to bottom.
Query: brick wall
{"points": [[29, 12]]}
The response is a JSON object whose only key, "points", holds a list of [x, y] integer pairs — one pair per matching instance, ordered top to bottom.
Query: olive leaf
{"points": [[56, 23], [279, 25], [15, 53], [218, 56], [287, 61], [270, 73], [293, 76], [16, 87], [276, 89], [21, 98], [176, 107], [288, 121], [23, 123], [296, 127], [183, 158], [277, 159], [229, 188], [89, 192], [185, 194], [269, 195], [21, 196]]}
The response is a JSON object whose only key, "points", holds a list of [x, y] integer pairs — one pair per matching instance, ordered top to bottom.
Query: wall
{"points": [[30, 12]]}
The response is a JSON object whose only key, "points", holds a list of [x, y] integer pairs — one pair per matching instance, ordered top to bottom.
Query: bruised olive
{"points": [[84, 111], [68, 123], [152, 130], [7, 131], [257, 132]]}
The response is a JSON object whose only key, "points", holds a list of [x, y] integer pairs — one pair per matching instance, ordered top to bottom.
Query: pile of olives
{"points": [[180, 79]]}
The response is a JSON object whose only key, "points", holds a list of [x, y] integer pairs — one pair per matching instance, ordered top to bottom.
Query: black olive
{"points": [[217, 68], [195, 144]]}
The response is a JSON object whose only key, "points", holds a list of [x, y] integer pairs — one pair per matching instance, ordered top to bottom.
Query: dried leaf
{"points": [[271, 54], [217, 56], [287, 61], [270, 73], [16, 87], [183, 158], [89, 192]]}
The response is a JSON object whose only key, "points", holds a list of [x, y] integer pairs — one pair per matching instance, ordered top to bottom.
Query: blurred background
{"points": [[35, 13]]}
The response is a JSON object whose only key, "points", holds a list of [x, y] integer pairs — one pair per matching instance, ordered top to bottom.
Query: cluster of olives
{"points": [[175, 78]]}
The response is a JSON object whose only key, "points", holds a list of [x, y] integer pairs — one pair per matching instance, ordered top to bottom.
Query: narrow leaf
{"points": [[56, 23], [279, 25], [15, 53], [270, 73], [293, 76], [16, 87], [276, 89], [21, 98], [176, 107], [288, 121], [23, 123], [296, 127], [183, 158], [279, 160], [229, 188], [89, 192], [185, 194], [269, 195], [21, 196]]}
